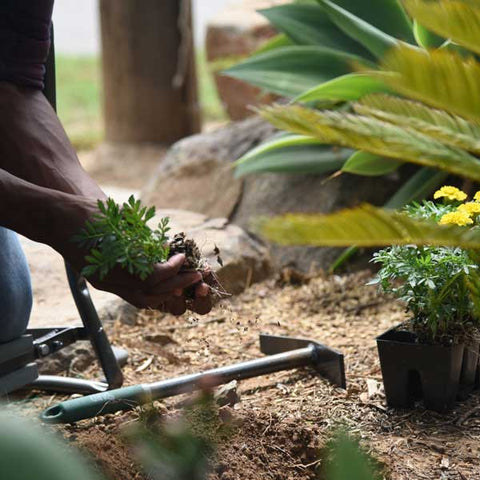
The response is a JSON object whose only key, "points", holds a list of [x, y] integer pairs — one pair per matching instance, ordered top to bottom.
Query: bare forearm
{"points": [[34, 145], [38, 213]]}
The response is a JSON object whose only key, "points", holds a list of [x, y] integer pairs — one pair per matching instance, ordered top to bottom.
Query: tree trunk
{"points": [[149, 80]]}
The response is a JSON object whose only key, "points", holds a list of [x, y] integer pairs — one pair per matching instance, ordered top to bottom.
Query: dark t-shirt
{"points": [[24, 40]]}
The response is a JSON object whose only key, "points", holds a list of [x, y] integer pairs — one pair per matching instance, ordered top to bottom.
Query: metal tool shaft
{"points": [[239, 371], [130, 397]]}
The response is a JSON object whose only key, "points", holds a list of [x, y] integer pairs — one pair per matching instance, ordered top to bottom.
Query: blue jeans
{"points": [[15, 287]]}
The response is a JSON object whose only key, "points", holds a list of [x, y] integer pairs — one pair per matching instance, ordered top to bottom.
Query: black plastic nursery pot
{"points": [[414, 371]]}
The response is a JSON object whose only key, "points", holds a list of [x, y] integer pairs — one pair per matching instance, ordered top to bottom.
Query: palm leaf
{"points": [[387, 15], [454, 19], [310, 25], [426, 38], [373, 39], [278, 41], [292, 70], [440, 78], [345, 88], [450, 129], [374, 136], [292, 154], [370, 165], [419, 186], [365, 226]]}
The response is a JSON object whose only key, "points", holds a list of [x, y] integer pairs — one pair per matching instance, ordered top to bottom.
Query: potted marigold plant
{"points": [[433, 355]]}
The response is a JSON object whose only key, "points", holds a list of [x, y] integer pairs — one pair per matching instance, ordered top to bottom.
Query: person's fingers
{"points": [[166, 270], [208, 277], [179, 282], [202, 290], [140, 300], [176, 305], [201, 305]]}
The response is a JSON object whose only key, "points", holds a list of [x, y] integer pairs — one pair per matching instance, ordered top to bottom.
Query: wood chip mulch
{"points": [[285, 418]]}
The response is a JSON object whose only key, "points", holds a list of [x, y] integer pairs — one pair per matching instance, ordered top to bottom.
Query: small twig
{"points": [[363, 306], [195, 325], [467, 415], [301, 465]]}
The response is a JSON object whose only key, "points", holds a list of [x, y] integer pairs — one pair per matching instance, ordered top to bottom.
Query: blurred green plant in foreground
{"points": [[181, 448], [28, 452], [346, 460]]}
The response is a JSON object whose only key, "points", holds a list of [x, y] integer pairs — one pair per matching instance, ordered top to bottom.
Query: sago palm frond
{"points": [[455, 19], [440, 78], [450, 129], [374, 136], [365, 226]]}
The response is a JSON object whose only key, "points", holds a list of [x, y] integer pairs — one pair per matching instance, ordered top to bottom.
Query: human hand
{"points": [[163, 290]]}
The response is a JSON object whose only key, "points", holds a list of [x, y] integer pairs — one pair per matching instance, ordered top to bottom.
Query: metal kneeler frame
{"points": [[18, 367]]}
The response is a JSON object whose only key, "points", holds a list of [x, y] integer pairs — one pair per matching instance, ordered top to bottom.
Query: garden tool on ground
{"points": [[283, 353]]}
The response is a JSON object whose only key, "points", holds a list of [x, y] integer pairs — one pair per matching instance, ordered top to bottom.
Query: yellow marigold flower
{"points": [[450, 193], [477, 197], [470, 208], [456, 218]]}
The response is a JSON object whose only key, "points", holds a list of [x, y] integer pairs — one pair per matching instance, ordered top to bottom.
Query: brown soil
{"points": [[283, 419]]}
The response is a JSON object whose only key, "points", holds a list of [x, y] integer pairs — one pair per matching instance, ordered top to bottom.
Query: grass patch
{"points": [[79, 97], [212, 108]]}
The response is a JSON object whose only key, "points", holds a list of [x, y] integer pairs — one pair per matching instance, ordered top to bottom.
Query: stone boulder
{"points": [[235, 33], [197, 172], [197, 175], [267, 195]]}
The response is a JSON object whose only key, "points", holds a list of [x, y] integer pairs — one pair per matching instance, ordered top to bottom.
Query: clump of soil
{"points": [[193, 257], [194, 261]]}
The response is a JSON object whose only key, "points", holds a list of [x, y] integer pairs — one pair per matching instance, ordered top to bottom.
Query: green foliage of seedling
{"points": [[120, 236], [434, 282], [182, 447], [28, 452], [347, 460]]}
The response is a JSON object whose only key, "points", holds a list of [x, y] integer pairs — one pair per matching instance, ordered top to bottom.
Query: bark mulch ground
{"points": [[284, 419]]}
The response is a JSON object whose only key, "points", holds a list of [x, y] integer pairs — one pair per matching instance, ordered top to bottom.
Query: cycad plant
{"points": [[323, 58], [431, 119]]}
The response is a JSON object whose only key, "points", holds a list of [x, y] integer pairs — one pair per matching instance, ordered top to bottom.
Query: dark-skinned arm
{"points": [[36, 149], [51, 217]]}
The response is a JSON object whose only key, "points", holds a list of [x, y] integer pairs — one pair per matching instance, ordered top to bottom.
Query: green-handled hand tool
{"points": [[284, 353]]}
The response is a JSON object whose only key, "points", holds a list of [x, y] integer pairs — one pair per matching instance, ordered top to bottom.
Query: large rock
{"points": [[235, 33], [197, 172], [198, 176], [276, 194]]}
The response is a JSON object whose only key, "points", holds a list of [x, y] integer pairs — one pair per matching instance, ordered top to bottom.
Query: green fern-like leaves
{"points": [[454, 19], [440, 78], [449, 129], [374, 136], [365, 226], [120, 236]]}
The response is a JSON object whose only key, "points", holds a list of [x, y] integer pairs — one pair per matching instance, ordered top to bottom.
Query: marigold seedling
{"points": [[120, 236], [439, 285]]}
